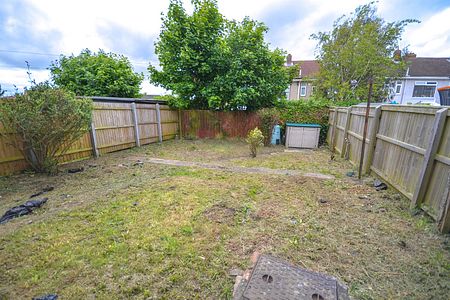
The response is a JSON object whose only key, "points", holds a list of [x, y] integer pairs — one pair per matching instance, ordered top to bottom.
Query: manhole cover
{"points": [[273, 278]]}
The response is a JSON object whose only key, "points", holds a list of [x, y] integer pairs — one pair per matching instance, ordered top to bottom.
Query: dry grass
{"points": [[152, 231]]}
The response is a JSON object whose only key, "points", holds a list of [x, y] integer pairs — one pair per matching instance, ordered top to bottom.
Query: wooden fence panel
{"points": [[169, 122], [212, 124], [114, 126], [148, 126], [114, 129], [403, 136], [435, 193]]}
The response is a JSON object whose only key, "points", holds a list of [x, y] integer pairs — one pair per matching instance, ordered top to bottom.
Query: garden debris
{"points": [[139, 163], [75, 170], [350, 173], [379, 185], [44, 190], [323, 201], [21, 210], [402, 244], [273, 278], [47, 297]]}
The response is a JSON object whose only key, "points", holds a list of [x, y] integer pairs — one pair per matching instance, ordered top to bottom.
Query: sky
{"points": [[38, 31]]}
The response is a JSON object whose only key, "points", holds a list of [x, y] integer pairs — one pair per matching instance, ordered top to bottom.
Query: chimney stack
{"points": [[398, 55], [289, 60]]}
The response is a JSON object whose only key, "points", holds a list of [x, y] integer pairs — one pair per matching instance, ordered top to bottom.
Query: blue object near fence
{"points": [[276, 135]]}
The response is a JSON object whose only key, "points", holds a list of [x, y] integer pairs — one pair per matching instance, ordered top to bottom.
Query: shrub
{"points": [[312, 111], [269, 117], [47, 121], [255, 139]]}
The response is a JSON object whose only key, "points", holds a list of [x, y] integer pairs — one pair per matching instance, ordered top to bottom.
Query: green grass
{"points": [[164, 232]]}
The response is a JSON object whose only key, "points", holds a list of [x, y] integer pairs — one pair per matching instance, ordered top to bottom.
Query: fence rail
{"points": [[117, 124], [407, 146]]}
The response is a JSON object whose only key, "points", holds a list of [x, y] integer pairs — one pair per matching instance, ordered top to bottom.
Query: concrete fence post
{"points": [[158, 119], [136, 125], [94, 139]]}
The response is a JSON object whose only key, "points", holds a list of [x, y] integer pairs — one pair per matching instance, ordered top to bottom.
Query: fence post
{"points": [[158, 119], [179, 124], [136, 125], [347, 125], [333, 133], [372, 138], [94, 139], [428, 160], [443, 218]]}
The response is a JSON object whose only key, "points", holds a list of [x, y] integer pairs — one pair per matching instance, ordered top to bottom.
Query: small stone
{"points": [[138, 163], [350, 173], [363, 197], [323, 201], [135, 204], [382, 210], [294, 221], [29, 222], [235, 272]]}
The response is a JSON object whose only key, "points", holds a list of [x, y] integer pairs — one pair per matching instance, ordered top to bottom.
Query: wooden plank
{"points": [[110, 108], [410, 109], [359, 113], [158, 119], [347, 124], [136, 125], [179, 125], [114, 127], [93, 135], [357, 136], [372, 138], [118, 144], [410, 147], [443, 159], [425, 172], [443, 215]]}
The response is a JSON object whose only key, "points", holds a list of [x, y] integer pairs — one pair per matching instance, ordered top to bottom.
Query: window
{"points": [[398, 87], [313, 88], [303, 89], [424, 89], [288, 92]]}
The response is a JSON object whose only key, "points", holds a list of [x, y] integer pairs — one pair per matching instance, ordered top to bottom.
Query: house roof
{"points": [[429, 66], [308, 67]]}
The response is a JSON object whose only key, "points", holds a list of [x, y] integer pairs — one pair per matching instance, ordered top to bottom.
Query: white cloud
{"points": [[431, 37]]}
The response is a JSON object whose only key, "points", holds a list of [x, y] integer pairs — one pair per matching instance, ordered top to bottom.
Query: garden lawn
{"points": [[145, 231]]}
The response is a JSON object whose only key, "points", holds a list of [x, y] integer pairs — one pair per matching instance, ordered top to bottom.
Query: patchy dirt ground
{"points": [[150, 231]]}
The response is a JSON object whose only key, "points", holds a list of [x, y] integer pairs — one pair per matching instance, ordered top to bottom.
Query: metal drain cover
{"points": [[273, 278]]}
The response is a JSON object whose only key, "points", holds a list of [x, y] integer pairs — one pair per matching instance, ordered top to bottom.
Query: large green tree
{"points": [[360, 46], [209, 62], [96, 74]]}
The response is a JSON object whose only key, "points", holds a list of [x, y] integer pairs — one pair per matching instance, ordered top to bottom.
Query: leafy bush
{"points": [[96, 74], [313, 111], [269, 117], [47, 121], [255, 139]]}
